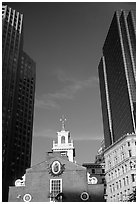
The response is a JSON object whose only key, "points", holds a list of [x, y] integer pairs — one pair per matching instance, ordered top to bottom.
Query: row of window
{"points": [[120, 149], [118, 158], [120, 171], [122, 183], [119, 184], [120, 196]]}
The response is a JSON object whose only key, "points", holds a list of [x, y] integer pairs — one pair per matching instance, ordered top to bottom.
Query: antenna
{"points": [[63, 119]]}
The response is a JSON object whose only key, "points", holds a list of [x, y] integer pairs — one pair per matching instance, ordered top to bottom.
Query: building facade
{"points": [[117, 77], [18, 91], [120, 166], [96, 172], [58, 178]]}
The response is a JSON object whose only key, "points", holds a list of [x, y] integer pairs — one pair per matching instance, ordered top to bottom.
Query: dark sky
{"points": [[65, 40]]}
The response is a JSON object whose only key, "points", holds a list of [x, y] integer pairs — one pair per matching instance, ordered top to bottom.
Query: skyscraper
{"points": [[117, 76], [18, 91]]}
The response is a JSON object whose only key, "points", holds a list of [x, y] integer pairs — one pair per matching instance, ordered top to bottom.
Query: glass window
{"points": [[63, 139], [128, 143], [130, 153], [93, 171], [103, 171], [123, 171], [133, 177], [127, 180], [124, 181], [120, 184], [117, 185], [113, 187], [110, 188], [55, 189]]}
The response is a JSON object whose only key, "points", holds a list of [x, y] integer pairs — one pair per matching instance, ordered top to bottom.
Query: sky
{"points": [[65, 40]]}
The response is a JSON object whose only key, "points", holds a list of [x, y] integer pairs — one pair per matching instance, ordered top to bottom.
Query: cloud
{"points": [[71, 87], [45, 102], [43, 132], [88, 139]]}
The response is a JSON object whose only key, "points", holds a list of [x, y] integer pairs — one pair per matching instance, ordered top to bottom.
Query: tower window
{"points": [[63, 139]]}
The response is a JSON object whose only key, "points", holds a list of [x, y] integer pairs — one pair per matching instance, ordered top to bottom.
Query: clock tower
{"points": [[64, 143]]}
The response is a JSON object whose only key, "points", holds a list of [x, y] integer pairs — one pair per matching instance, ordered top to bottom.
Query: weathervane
{"points": [[63, 119]]}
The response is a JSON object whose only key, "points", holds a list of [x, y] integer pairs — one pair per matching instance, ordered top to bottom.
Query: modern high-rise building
{"points": [[117, 76], [18, 92]]}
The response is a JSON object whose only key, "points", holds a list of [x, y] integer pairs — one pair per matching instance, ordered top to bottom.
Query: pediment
{"points": [[45, 165]]}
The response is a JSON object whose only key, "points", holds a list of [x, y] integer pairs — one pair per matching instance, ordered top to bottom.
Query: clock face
{"points": [[56, 167]]}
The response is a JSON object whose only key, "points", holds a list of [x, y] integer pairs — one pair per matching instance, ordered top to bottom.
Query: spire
{"points": [[63, 119]]}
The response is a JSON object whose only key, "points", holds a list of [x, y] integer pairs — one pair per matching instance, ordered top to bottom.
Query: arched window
{"points": [[69, 138], [63, 139]]}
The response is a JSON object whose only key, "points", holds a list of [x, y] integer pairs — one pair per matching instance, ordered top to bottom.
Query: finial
{"points": [[63, 119]]}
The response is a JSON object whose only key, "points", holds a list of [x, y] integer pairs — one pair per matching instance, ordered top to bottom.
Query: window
{"points": [[62, 139], [128, 144], [63, 153], [130, 153], [123, 170], [93, 171], [103, 171], [118, 172], [112, 176], [133, 177], [103, 180], [127, 180], [124, 181], [120, 184], [117, 185], [113, 187], [110, 188], [55, 189]]}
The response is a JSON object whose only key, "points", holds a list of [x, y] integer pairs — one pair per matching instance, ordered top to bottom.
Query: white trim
{"points": [[30, 197], [84, 199]]}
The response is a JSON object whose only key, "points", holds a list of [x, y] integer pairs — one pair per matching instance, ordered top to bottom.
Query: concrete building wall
{"points": [[120, 168]]}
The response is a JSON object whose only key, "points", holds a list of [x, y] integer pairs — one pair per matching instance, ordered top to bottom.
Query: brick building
{"points": [[56, 179]]}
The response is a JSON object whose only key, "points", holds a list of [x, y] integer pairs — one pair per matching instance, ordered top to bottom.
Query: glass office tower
{"points": [[117, 77], [18, 91]]}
